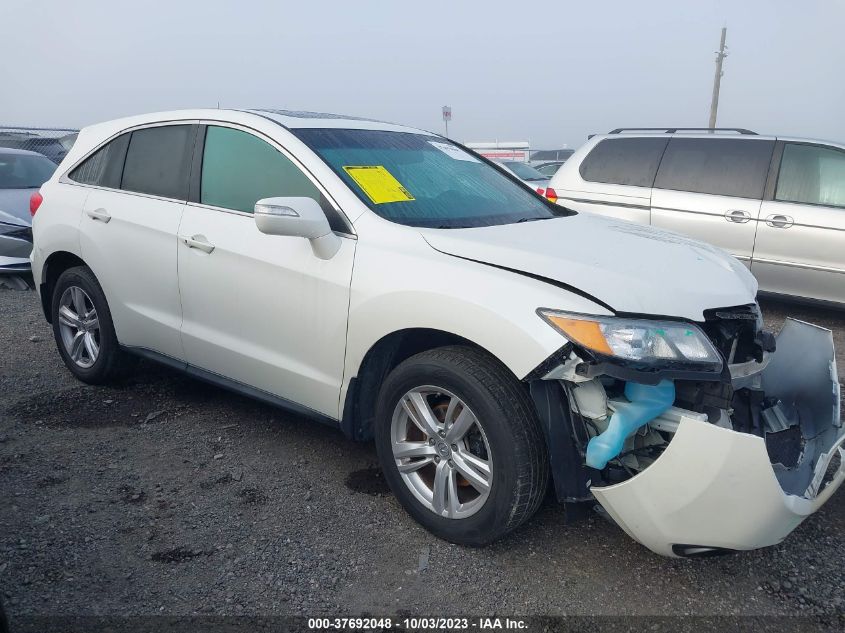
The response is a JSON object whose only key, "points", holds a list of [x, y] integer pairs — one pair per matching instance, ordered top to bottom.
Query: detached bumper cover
{"points": [[715, 488]]}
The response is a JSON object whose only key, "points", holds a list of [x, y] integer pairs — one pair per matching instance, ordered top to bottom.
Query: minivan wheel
{"points": [[83, 328], [460, 445]]}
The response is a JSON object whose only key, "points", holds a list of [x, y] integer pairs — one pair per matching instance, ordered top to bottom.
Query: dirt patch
{"points": [[82, 407], [51, 480], [218, 481], [369, 481], [128, 494], [253, 496], [177, 555]]}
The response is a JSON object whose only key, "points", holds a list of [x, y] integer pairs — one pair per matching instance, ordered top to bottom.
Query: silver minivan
{"points": [[777, 204]]}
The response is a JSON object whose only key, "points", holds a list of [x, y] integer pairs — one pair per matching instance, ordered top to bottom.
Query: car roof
{"points": [[289, 119], [306, 119], [745, 137], [749, 137], [14, 150]]}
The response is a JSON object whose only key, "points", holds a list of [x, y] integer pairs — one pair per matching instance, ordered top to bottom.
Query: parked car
{"points": [[67, 141], [52, 148], [543, 156], [549, 169], [21, 174], [526, 174], [777, 204], [387, 282]]}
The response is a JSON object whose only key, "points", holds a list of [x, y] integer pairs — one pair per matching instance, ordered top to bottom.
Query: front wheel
{"points": [[460, 445]]}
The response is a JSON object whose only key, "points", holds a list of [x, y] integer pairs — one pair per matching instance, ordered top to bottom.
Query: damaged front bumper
{"points": [[721, 482]]}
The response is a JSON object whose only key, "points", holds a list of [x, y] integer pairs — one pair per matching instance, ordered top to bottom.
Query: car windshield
{"points": [[24, 171], [526, 172], [423, 180]]}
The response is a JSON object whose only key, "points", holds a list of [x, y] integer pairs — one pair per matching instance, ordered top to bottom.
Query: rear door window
{"points": [[158, 161], [624, 161], [105, 166], [720, 166], [239, 169], [810, 174]]}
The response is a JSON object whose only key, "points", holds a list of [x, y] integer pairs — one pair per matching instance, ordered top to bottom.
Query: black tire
{"points": [[112, 363], [520, 472]]}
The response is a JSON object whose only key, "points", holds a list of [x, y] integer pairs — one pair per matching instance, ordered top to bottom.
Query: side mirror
{"points": [[297, 217]]}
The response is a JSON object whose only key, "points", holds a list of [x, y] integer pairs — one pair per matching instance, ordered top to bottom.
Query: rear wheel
{"points": [[83, 328], [460, 445]]}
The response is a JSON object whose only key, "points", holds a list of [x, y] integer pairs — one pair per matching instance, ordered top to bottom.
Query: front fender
{"points": [[401, 283]]}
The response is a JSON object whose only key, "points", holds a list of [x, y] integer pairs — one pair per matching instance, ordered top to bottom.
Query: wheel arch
{"points": [[57, 263], [379, 360]]}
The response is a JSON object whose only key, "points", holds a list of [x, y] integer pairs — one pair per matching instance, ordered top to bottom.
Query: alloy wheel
{"points": [[79, 326], [441, 452]]}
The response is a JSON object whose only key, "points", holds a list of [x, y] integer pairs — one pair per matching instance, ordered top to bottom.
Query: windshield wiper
{"points": [[521, 220]]}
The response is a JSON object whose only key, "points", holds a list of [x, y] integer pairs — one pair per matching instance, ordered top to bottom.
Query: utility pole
{"points": [[717, 80]]}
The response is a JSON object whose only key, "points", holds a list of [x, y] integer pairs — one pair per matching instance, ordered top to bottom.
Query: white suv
{"points": [[776, 204], [389, 282]]}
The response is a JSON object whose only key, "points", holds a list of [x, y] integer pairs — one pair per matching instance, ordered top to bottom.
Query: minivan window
{"points": [[158, 161], [624, 161], [105, 166], [721, 166], [238, 169], [812, 175], [423, 180]]}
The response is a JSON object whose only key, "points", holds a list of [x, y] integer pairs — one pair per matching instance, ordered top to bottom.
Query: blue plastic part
{"points": [[646, 402]]}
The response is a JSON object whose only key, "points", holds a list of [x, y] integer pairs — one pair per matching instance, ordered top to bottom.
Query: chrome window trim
{"points": [[65, 180], [124, 192]]}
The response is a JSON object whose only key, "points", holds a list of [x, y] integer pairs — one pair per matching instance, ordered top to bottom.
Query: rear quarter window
{"points": [[624, 161], [105, 166], [720, 166]]}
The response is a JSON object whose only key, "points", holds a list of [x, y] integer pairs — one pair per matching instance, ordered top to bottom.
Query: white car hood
{"points": [[630, 267]]}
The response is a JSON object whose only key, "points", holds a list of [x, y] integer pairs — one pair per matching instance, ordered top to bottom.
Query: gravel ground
{"points": [[167, 496]]}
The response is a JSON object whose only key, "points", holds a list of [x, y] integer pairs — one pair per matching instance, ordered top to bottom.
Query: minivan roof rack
{"points": [[673, 130]]}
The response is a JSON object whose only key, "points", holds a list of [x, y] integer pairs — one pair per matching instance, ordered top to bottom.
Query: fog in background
{"points": [[548, 72]]}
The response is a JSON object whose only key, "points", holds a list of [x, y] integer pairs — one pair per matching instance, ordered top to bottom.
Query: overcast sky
{"points": [[548, 72]]}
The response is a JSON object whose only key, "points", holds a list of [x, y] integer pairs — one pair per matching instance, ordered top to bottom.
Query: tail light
{"points": [[541, 191], [551, 194], [35, 201]]}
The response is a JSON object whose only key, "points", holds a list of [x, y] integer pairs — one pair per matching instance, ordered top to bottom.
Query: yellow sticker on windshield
{"points": [[378, 183]]}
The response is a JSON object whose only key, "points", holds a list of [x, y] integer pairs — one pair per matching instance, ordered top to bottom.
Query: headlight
{"points": [[638, 340]]}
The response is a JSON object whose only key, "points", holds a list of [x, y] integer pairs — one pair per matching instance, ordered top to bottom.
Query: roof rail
{"points": [[673, 130]]}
